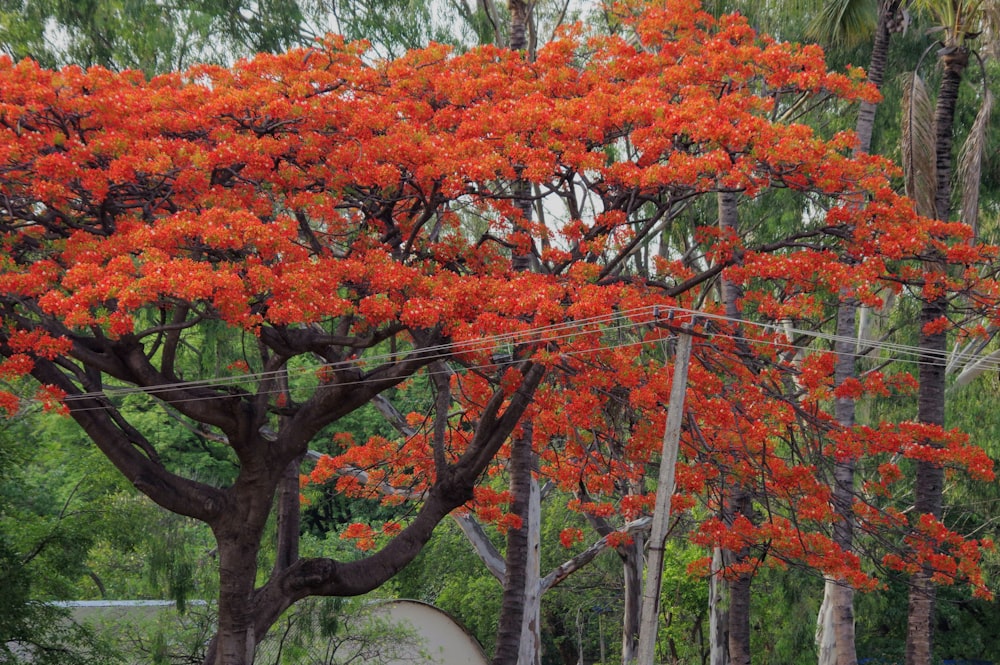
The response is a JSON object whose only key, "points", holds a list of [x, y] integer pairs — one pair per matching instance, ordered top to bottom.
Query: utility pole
{"points": [[648, 621]]}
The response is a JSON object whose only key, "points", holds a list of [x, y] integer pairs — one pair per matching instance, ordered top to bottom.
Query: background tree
{"points": [[959, 22], [47, 526]]}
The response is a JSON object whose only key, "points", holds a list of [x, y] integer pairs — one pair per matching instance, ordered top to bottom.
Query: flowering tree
{"points": [[315, 230]]}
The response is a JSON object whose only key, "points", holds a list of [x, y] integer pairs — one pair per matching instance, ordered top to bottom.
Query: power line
{"points": [[597, 325]]}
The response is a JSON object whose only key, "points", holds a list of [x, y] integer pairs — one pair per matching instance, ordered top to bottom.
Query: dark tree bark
{"points": [[519, 10], [877, 64], [928, 490], [740, 501], [238, 514], [289, 516], [632, 560], [739, 590], [512, 606]]}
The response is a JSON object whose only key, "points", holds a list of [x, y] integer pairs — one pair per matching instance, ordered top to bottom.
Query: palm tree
{"points": [[846, 22], [960, 22]]}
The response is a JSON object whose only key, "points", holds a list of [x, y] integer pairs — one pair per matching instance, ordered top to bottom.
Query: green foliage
{"points": [[395, 26], [152, 36], [43, 547], [475, 603], [783, 616], [683, 634]]}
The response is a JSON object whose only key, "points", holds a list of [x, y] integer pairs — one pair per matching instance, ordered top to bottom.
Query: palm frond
{"points": [[844, 22], [991, 29], [918, 144], [970, 162]]}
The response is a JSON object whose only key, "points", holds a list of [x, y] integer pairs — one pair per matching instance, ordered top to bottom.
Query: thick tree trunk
{"points": [[928, 490], [289, 517], [238, 537], [739, 620], [835, 624], [836, 627], [835, 636], [826, 637]]}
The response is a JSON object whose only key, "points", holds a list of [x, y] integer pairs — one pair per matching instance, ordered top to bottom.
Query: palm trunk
{"points": [[518, 25], [955, 64], [876, 72], [930, 397], [929, 485], [835, 624]]}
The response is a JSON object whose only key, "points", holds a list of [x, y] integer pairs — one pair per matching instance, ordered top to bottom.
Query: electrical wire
{"points": [[601, 325]]}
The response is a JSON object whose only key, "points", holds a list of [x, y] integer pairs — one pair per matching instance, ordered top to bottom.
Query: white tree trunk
{"points": [[718, 613], [826, 638], [530, 652]]}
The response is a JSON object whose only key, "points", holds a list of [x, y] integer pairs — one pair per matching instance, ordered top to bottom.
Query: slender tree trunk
{"points": [[518, 24], [929, 485], [928, 490], [740, 502], [289, 509], [289, 517], [632, 561], [739, 588], [512, 606], [718, 613], [835, 623], [835, 629], [518, 641], [530, 648]]}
